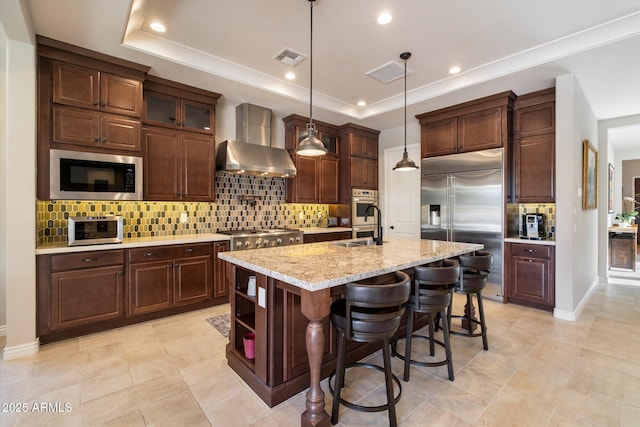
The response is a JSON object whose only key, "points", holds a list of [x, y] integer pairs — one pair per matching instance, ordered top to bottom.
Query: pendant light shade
{"points": [[311, 146], [406, 164]]}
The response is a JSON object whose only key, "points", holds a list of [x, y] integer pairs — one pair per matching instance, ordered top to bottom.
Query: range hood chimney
{"points": [[251, 153]]}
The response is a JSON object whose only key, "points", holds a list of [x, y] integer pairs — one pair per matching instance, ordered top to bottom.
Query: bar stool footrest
{"points": [[466, 334], [419, 362], [363, 408]]}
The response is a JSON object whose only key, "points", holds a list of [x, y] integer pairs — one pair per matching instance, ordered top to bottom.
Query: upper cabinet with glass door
{"points": [[165, 105]]}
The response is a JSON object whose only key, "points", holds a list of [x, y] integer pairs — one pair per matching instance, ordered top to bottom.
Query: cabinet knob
{"points": [[95, 102], [103, 104], [96, 139], [104, 139], [392, 227], [189, 250], [530, 250], [148, 254], [89, 259]]}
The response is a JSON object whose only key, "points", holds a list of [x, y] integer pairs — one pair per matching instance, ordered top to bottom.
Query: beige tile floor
{"points": [[539, 371]]}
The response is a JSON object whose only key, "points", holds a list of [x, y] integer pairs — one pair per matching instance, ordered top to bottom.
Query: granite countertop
{"points": [[320, 230], [517, 239], [58, 248], [316, 266]]}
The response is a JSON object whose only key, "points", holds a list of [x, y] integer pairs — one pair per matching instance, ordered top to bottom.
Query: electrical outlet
{"points": [[301, 215], [183, 217]]}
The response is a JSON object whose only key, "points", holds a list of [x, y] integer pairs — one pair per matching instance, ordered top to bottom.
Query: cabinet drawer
{"points": [[199, 249], [530, 251], [153, 253], [86, 260]]}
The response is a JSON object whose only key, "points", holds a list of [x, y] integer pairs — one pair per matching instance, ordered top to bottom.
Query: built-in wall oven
{"points": [[364, 223]]}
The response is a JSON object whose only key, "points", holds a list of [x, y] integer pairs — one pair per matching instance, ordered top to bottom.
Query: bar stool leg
{"points": [[483, 325], [432, 346], [447, 346], [407, 351], [386, 352], [340, 368]]}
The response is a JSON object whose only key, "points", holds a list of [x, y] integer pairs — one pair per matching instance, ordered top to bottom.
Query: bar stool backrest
{"points": [[474, 271], [433, 285], [374, 311]]}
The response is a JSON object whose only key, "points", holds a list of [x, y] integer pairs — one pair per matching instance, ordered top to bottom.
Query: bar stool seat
{"points": [[475, 269], [431, 294], [369, 313]]}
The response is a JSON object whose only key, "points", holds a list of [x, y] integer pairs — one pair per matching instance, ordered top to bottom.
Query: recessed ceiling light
{"points": [[384, 18], [158, 27], [454, 70], [289, 76], [362, 103]]}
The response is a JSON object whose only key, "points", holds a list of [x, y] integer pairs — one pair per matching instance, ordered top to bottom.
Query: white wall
{"points": [[17, 174], [577, 229]]}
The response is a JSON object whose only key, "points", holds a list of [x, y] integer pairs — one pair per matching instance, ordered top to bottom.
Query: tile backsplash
{"points": [[241, 202]]}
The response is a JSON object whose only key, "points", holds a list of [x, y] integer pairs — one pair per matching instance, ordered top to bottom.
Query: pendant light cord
{"points": [[311, 66], [405, 106]]}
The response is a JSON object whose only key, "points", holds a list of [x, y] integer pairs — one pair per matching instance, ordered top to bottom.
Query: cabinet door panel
{"points": [[75, 85], [120, 95], [160, 110], [197, 117], [535, 119], [76, 126], [480, 130], [119, 133], [439, 138], [161, 153], [197, 168], [535, 169], [364, 173], [328, 180], [304, 185], [192, 280], [530, 282], [220, 285], [150, 287], [86, 296]]}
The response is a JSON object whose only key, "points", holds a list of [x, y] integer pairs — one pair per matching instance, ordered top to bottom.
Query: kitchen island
{"points": [[289, 313]]}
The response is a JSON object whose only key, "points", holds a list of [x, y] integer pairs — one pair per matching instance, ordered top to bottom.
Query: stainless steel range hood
{"points": [[251, 153]]}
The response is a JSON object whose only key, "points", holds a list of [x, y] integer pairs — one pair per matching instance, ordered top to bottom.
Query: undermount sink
{"points": [[353, 243]]}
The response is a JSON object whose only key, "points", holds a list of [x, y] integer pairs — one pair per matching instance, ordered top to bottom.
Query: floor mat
{"points": [[221, 323]]}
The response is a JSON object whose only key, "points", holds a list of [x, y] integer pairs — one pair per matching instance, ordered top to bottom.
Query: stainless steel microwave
{"points": [[76, 175], [95, 230]]}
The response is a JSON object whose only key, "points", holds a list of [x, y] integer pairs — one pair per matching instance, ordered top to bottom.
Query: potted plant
{"points": [[625, 218]]}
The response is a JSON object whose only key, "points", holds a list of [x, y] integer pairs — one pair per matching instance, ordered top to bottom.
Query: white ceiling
{"points": [[228, 47]]}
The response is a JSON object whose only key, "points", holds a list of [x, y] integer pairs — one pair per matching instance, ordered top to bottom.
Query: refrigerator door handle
{"points": [[452, 205]]}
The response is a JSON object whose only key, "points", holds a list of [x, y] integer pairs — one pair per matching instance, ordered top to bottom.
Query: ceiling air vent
{"points": [[289, 57], [388, 72]]}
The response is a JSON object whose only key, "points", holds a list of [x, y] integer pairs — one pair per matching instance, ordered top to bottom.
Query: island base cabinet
{"points": [[531, 275], [86, 296]]}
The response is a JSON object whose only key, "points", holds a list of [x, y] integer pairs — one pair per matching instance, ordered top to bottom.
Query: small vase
{"points": [[624, 224]]}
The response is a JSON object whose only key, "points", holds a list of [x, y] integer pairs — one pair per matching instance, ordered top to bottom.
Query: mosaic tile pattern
{"points": [[241, 202], [515, 212]]}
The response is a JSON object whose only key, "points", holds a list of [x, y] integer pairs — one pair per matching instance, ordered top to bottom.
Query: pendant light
{"points": [[311, 146], [406, 164]]}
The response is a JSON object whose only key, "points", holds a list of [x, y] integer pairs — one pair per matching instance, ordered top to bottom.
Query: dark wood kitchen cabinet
{"points": [[87, 101], [177, 106], [473, 126], [178, 142], [534, 147], [358, 159], [178, 165], [317, 178], [326, 237], [530, 275], [162, 277], [220, 288], [79, 289]]}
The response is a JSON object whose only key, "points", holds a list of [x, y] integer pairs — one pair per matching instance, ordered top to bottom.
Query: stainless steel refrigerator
{"points": [[462, 200]]}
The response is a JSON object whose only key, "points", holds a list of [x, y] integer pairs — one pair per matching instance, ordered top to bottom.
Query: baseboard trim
{"points": [[573, 315], [14, 352]]}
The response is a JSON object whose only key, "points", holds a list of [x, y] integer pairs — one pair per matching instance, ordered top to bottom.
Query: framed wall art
{"points": [[589, 176], [610, 188]]}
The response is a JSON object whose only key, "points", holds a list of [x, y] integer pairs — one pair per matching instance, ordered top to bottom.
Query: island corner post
{"points": [[315, 307]]}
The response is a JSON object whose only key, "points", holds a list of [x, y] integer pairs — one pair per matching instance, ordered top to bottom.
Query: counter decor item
{"points": [[626, 217], [249, 341]]}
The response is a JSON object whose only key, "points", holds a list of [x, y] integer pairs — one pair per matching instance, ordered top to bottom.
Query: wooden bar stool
{"points": [[475, 269], [431, 294], [369, 313]]}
